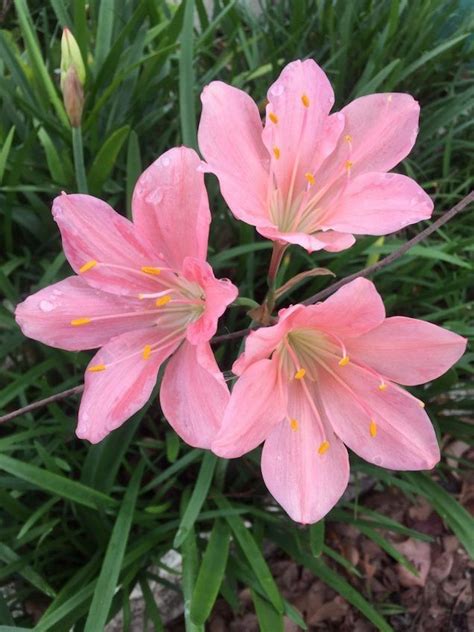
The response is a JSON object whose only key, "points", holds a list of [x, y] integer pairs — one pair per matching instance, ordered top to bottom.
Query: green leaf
{"points": [[186, 79], [4, 152], [104, 162], [203, 482], [316, 538], [253, 554], [9, 556], [211, 573], [109, 574], [268, 618]]}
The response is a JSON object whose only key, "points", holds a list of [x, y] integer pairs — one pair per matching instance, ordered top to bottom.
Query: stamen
{"points": [[305, 100], [273, 117], [348, 138], [276, 152], [348, 165], [310, 178], [87, 266], [151, 270], [164, 300], [80, 321], [146, 352], [344, 360], [96, 368], [300, 373], [383, 386], [421, 404], [294, 424], [373, 429], [324, 447]]}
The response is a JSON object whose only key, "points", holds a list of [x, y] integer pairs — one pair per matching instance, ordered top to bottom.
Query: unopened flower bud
{"points": [[71, 56], [73, 96]]}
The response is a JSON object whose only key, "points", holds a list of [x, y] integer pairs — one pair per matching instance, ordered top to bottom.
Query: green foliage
{"points": [[81, 525]]}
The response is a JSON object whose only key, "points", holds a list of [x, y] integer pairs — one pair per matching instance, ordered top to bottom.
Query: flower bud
{"points": [[71, 56], [73, 96]]}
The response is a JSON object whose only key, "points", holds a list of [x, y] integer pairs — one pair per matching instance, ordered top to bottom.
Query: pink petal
{"points": [[301, 99], [380, 132], [230, 140], [379, 204], [171, 208], [92, 231], [330, 240], [219, 293], [351, 311], [46, 316], [407, 350], [194, 394], [113, 395], [256, 405], [405, 439], [305, 482]]}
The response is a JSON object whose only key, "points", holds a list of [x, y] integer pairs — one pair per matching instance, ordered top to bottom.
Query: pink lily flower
{"points": [[308, 177], [144, 292], [328, 375]]}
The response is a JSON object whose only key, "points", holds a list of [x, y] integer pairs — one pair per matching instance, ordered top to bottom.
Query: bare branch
{"points": [[443, 219]]}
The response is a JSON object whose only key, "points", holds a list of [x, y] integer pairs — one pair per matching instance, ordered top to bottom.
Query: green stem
{"points": [[78, 152]]}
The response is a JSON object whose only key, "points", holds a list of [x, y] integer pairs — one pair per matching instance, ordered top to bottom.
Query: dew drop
{"points": [[277, 90], [165, 161], [154, 197], [46, 306], [378, 460]]}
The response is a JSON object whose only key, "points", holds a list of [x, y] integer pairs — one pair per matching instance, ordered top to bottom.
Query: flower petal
{"points": [[298, 106], [380, 131], [230, 140], [379, 204], [171, 208], [93, 232], [331, 241], [219, 294], [351, 311], [47, 315], [407, 350], [114, 394], [194, 394], [256, 405], [402, 437], [303, 476]]}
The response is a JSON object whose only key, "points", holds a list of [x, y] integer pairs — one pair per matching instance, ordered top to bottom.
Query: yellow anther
{"points": [[305, 100], [273, 117], [348, 138], [276, 152], [348, 165], [310, 178], [87, 266], [151, 270], [163, 300], [80, 321], [147, 352], [343, 361], [96, 368], [300, 373], [382, 386], [421, 404], [293, 424], [373, 428], [324, 447]]}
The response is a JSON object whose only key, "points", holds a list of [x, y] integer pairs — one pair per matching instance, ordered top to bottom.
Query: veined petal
{"points": [[298, 106], [230, 140], [378, 204], [171, 208], [92, 232], [330, 240], [219, 293], [47, 316], [407, 350], [119, 381], [194, 394], [256, 405], [388, 428], [305, 470]]}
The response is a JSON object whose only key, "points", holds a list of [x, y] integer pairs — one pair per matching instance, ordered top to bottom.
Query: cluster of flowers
{"points": [[323, 377]]}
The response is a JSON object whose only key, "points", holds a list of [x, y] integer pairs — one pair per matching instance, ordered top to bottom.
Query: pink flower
{"points": [[308, 177], [144, 292], [327, 375]]}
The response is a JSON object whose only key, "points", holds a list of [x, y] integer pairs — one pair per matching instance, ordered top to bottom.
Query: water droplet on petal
{"points": [[277, 90], [165, 161], [154, 197], [46, 306], [378, 460]]}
